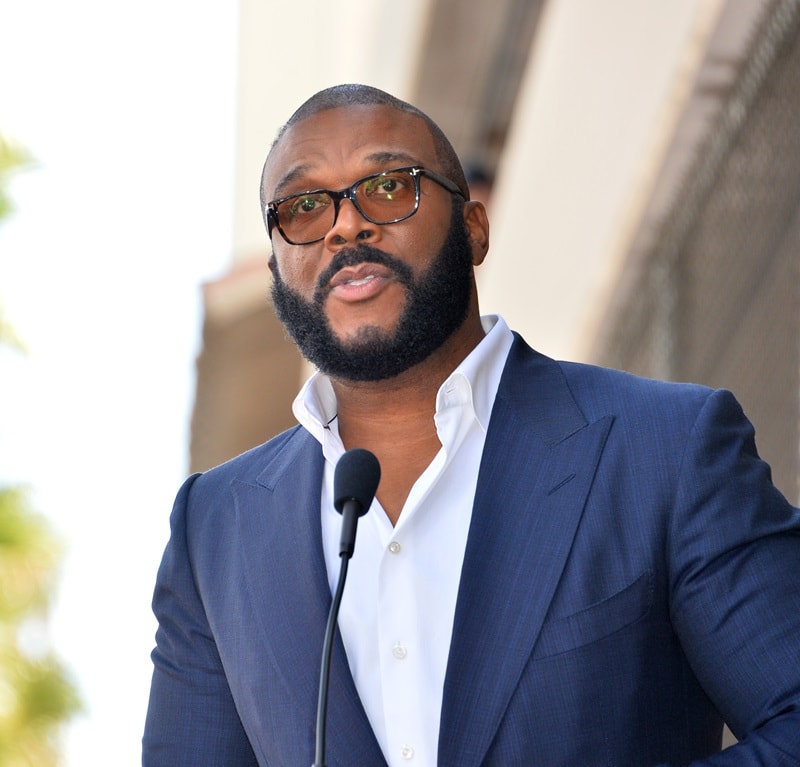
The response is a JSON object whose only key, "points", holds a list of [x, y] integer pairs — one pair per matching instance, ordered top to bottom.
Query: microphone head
{"points": [[356, 478]]}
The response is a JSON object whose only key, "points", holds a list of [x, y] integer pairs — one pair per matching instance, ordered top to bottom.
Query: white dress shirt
{"points": [[397, 610]]}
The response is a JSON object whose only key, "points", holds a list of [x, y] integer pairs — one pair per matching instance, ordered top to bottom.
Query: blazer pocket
{"points": [[602, 619]]}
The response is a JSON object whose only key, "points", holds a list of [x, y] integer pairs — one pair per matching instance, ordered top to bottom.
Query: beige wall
{"points": [[598, 103]]}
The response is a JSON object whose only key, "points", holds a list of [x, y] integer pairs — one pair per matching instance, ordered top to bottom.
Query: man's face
{"points": [[368, 301]]}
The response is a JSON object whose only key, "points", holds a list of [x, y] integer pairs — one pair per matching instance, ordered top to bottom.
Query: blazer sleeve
{"points": [[734, 554], [191, 718]]}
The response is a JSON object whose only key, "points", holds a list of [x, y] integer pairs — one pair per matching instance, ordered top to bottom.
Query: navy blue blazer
{"points": [[631, 580]]}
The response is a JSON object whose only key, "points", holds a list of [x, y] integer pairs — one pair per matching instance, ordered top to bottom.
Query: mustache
{"points": [[362, 254]]}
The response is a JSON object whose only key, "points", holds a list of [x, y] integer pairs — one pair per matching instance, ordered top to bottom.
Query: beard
{"points": [[436, 306]]}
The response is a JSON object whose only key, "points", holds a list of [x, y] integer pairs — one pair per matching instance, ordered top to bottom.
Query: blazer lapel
{"points": [[538, 464], [285, 570]]}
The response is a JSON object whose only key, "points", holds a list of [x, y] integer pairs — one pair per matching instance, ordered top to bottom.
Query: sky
{"points": [[129, 112]]}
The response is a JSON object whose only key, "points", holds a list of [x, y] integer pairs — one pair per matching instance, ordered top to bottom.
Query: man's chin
{"points": [[350, 323], [362, 337]]}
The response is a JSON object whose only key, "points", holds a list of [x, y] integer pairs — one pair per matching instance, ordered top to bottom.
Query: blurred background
{"points": [[640, 161]]}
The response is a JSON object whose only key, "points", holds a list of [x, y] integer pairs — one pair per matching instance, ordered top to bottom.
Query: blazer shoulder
{"points": [[606, 389], [637, 403], [255, 466]]}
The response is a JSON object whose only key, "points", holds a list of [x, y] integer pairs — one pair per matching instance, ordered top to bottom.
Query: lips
{"points": [[355, 274], [359, 275], [359, 282]]}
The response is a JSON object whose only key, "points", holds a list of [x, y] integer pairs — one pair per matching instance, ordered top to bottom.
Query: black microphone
{"points": [[355, 481], [354, 484]]}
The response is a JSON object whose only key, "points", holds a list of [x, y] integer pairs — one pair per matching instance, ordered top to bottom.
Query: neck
{"points": [[394, 418]]}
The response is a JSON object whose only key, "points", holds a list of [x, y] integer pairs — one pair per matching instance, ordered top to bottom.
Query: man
{"points": [[563, 565]]}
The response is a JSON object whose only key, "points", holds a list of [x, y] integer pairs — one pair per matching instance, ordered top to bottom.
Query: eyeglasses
{"points": [[381, 198]]}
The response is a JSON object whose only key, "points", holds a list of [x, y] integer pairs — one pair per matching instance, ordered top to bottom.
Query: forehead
{"points": [[336, 146]]}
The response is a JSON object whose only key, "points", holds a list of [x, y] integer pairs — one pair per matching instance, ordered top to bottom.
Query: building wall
{"points": [[603, 87], [714, 288]]}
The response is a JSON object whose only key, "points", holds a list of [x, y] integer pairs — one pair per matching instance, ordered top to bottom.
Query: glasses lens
{"points": [[387, 197], [382, 199], [306, 217]]}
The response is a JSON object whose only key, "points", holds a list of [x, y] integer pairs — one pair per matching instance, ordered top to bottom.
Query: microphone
{"points": [[355, 481]]}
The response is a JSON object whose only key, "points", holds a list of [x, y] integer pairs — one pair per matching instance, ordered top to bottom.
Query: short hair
{"points": [[365, 95]]}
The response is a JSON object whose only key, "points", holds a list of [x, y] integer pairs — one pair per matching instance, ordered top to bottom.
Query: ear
{"points": [[477, 223]]}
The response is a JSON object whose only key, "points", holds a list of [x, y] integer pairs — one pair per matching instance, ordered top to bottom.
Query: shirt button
{"points": [[394, 547], [399, 651], [407, 752]]}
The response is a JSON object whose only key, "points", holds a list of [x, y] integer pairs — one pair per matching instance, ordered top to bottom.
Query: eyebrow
{"points": [[378, 158], [289, 178]]}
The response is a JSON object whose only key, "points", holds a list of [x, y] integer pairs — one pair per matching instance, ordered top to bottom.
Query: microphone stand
{"points": [[324, 674]]}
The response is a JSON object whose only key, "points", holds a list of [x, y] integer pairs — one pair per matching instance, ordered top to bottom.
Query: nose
{"points": [[350, 226]]}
